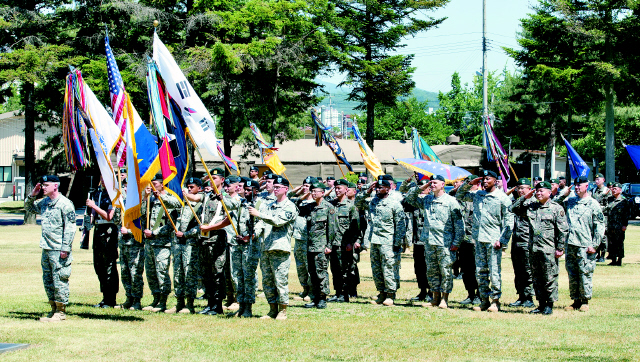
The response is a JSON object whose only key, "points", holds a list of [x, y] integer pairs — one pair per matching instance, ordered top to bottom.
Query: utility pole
{"points": [[485, 109]]}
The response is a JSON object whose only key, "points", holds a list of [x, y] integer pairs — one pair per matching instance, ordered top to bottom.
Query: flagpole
{"points": [[334, 155], [224, 163], [120, 190], [148, 203], [164, 207], [193, 211], [226, 211]]}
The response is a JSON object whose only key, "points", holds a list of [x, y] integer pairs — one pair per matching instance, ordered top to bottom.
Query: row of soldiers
{"points": [[219, 239]]}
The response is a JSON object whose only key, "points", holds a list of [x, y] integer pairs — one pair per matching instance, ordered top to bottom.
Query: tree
{"points": [[364, 34], [393, 123]]}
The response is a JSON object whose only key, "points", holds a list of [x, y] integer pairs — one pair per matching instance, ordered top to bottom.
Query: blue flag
{"points": [[179, 150], [634, 153], [577, 166]]}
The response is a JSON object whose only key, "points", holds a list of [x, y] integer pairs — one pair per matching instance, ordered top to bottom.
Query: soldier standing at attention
{"points": [[253, 173], [601, 194], [301, 196], [232, 200], [280, 215], [617, 221], [492, 227], [321, 228], [387, 228], [586, 230], [58, 231], [445, 231], [548, 233], [158, 236], [105, 246], [467, 249], [520, 257], [131, 264], [354, 273]]}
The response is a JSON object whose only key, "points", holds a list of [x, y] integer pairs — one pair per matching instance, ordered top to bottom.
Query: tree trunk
{"points": [[274, 105], [226, 120], [370, 120], [550, 144], [29, 146], [609, 155], [567, 171]]}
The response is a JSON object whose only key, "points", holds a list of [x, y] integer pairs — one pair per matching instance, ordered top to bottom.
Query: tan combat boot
{"points": [[381, 297], [437, 297], [156, 300], [389, 300], [444, 303], [483, 306], [495, 306], [189, 308], [53, 311], [273, 311], [239, 312], [282, 312], [59, 315]]}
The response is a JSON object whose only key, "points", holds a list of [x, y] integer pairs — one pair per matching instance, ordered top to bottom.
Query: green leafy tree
{"points": [[394, 123]]}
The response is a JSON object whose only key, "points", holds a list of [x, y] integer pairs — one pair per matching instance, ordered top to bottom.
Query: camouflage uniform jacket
{"points": [[233, 204], [617, 210], [442, 217], [386, 219], [492, 220], [58, 221], [348, 222], [586, 222], [187, 223], [415, 223], [159, 224], [275, 224], [548, 224], [321, 225], [521, 225], [300, 227]]}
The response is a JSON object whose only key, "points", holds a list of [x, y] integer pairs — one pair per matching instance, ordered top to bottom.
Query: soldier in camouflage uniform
{"points": [[601, 194], [300, 196], [232, 199], [618, 212], [276, 220], [492, 227], [321, 228], [387, 228], [444, 228], [58, 231], [586, 231], [548, 233], [158, 235], [467, 249], [185, 251], [520, 256], [131, 264], [353, 275]]}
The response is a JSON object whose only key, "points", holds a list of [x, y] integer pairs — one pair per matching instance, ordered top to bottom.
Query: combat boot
{"points": [[305, 292], [421, 296], [381, 297], [156, 300], [389, 300], [435, 301], [444, 302], [127, 303], [322, 303], [517, 303], [528, 303], [136, 304], [162, 304], [484, 305], [585, 305], [179, 306], [495, 306], [575, 306], [188, 308], [548, 309], [538, 310], [53, 311], [247, 311], [273, 311], [282, 312], [59, 315]]}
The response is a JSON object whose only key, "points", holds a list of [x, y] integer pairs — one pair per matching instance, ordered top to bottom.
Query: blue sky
{"points": [[457, 44]]}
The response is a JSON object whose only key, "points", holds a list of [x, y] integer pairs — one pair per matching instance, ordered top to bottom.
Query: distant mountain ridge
{"points": [[338, 98]]}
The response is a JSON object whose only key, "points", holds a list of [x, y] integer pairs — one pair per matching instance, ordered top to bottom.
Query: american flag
{"points": [[116, 89]]}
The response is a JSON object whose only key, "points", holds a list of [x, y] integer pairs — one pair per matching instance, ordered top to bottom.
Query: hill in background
{"points": [[338, 98]]}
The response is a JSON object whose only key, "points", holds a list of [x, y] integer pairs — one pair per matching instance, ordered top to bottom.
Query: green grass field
{"points": [[12, 207], [356, 331]]}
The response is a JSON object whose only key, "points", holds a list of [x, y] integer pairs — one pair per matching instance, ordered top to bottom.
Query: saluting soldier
{"points": [[300, 196], [617, 221], [548, 233], [520, 256]]}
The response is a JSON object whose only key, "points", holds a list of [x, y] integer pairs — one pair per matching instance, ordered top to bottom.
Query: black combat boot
{"points": [[136, 304]]}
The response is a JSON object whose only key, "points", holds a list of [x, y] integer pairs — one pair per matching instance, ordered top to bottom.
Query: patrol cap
{"points": [[254, 168], [217, 171], [267, 172], [489, 173], [599, 175], [272, 176], [386, 177], [437, 177], [50, 178], [329, 178], [537, 178], [233, 179], [279, 180], [310, 180], [580, 180], [194, 181], [523, 181], [555, 181], [342, 182], [251, 183], [385, 183], [616, 184], [318, 185], [544, 185]]}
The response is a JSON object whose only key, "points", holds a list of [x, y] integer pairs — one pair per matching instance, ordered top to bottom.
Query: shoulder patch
{"points": [[288, 214], [600, 217]]}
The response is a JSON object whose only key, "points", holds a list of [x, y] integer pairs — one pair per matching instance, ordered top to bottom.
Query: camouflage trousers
{"points": [[616, 243], [213, 256], [132, 259], [520, 259], [157, 260], [439, 260], [340, 262], [245, 264], [302, 266], [420, 266], [580, 266], [384, 267], [544, 267], [185, 268], [489, 270], [318, 274], [353, 274], [55, 275], [275, 275]]}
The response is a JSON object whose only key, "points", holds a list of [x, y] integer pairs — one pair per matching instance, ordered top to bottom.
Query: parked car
{"points": [[632, 193]]}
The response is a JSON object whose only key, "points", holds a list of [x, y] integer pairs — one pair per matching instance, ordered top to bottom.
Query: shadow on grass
{"points": [[25, 315], [37, 315]]}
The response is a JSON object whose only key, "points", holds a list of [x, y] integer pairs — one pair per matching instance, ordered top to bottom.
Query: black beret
{"points": [[254, 168], [267, 172], [489, 173], [362, 174], [272, 176], [157, 177], [386, 177], [437, 177], [50, 178], [319, 178], [537, 178], [562, 178], [233, 179], [244, 179], [279, 180], [310, 180], [580, 180], [194, 181], [342, 182], [382, 182], [423, 182], [251, 183], [616, 184], [544, 185]]}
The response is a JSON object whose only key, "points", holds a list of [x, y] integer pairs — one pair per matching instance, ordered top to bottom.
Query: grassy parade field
{"points": [[356, 331]]}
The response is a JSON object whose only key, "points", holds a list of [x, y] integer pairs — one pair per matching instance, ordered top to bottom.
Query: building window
{"points": [[5, 174]]}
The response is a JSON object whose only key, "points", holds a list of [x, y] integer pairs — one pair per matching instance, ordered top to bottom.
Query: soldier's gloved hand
{"points": [[396, 248], [64, 254]]}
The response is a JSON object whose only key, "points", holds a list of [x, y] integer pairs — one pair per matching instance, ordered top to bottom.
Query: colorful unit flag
{"points": [[117, 102], [74, 130], [322, 135], [421, 149], [495, 153], [634, 153], [269, 157], [370, 160], [228, 161], [576, 165]]}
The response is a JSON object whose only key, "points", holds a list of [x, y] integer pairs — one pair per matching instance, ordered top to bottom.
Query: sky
{"points": [[456, 45]]}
